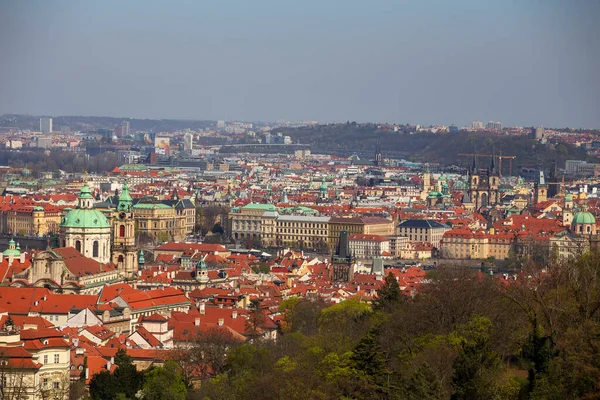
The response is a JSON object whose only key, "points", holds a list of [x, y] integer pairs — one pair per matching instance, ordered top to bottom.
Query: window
{"points": [[121, 230], [78, 245], [95, 249], [56, 358], [46, 360], [45, 381], [56, 385]]}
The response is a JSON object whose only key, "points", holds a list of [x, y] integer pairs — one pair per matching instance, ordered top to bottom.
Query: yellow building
{"points": [[156, 219], [31, 220], [246, 222], [358, 226], [302, 231], [461, 243]]}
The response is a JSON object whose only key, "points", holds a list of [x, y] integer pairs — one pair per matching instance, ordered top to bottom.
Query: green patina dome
{"points": [[568, 197], [83, 216], [584, 217], [12, 250]]}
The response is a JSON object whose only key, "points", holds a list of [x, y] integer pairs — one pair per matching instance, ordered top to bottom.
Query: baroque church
{"points": [[91, 233], [94, 250]]}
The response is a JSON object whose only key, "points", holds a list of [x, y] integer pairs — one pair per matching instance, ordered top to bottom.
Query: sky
{"points": [[523, 63]]}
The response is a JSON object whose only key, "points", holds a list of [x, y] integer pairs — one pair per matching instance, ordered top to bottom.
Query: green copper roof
{"points": [[323, 185], [85, 192], [568, 197], [125, 200], [151, 206], [257, 206], [584, 217], [84, 218], [15, 252]]}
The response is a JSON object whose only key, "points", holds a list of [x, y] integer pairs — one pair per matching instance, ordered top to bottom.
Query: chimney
{"points": [[22, 258], [154, 273], [221, 305], [202, 308], [234, 314], [197, 321], [221, 321], [112, 360], [108, 365], [87, 374]]}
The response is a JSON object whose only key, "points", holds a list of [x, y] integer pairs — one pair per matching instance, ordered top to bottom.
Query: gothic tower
{"points": [[378, 156], [124, 252]]}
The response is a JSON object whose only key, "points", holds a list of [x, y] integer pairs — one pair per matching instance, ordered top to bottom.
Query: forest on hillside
{"points": [[349, 138], [464, 336]]}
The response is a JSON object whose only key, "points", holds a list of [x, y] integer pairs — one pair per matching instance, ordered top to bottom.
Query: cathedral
{"points": [[483, 185]]}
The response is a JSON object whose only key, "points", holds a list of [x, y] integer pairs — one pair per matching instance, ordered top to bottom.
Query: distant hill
{"points": [[79, 123], [362, 139]]}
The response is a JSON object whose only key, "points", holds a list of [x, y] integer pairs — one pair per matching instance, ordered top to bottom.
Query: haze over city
{"points": [[436, 62]]}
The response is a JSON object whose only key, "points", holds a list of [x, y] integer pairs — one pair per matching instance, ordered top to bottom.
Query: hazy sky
{"points": [[522, 62]]}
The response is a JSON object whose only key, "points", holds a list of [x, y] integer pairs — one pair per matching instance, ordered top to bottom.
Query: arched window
{"points": [[589, 229], [122, 231], [78, 245], [95, 249], [120, 260]]}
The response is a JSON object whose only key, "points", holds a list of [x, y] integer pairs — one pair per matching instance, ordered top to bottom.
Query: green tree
{"points": [[388, 296], [476, 361], [126, 380], [164, 383]]}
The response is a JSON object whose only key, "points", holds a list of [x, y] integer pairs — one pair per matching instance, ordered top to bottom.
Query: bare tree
{"points": [[205, 354]]}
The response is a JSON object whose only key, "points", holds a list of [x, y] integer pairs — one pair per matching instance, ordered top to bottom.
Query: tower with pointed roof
{"points": [[484, 184], [323, 190], [86, 229], [124, 251], [202, 272]]}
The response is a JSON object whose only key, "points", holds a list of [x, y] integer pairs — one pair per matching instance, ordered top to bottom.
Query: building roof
{"points": [[257, 206], [584, 217], [421, 223]]}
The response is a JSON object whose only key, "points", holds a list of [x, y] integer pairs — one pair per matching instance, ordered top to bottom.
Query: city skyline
{"points": [[396, 62]]}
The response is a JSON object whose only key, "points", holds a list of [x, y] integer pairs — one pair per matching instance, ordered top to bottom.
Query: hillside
{"points": [[83, 123], [346, 139]]}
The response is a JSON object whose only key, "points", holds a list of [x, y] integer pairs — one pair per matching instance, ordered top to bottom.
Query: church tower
{"points": [[378, 156], [540, 189], [323, 190], [567, 216], [86, 229], [124, 252]]}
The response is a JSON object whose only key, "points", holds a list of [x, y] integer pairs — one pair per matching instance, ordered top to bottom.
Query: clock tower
{"points": [[124, 252]]}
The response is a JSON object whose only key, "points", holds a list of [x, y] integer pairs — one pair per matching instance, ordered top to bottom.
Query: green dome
{"points": [[85, 192], [568, 197], [584, 217], [84, 218], [16, 252]]}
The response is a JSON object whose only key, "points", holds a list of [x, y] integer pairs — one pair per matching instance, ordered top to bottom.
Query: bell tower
{"points": [[124, 252]]}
